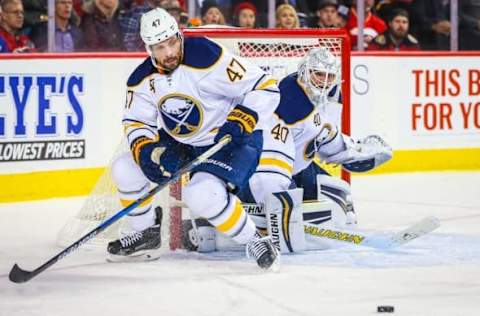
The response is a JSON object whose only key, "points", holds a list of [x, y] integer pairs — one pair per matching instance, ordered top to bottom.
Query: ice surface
{"points": [[438, 274]]}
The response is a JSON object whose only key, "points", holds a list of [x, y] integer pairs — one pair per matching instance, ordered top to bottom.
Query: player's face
{"points": [[246, 18], [399, 26], [168, 53], [320, 79]]}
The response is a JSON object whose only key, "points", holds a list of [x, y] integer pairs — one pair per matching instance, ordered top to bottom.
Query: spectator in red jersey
{"points": [[245, 15], [286, 17], [101, 27], [372, 27], [396, 37], [11, 41]]}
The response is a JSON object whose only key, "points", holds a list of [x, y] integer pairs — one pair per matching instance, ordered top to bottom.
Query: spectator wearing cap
{"points": [[385, 8], [211, 13], [245, 14], [326, 14], [286, 17], [12, 18], [372, 27], [396, 37]]}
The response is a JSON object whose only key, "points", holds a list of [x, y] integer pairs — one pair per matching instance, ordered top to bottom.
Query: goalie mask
{"points": [[157, 26], [319, 72]]}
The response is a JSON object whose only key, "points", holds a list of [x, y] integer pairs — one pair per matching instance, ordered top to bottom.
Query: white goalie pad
{"points": [[362, 155], [338, 192], [285, 220]]}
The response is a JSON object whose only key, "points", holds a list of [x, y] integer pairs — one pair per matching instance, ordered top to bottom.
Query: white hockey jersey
{"points": [[194, 100], [310, 125]]}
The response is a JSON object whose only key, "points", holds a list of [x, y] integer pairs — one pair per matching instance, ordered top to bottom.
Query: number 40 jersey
{"points": [[311, 125]]}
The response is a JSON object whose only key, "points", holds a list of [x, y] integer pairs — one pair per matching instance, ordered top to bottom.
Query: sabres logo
{"points": [[181, 114], [327, 133], [310, 149]]}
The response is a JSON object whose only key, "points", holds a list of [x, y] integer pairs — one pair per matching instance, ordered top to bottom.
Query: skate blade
{"points": [[140, 256], [275, 267]]}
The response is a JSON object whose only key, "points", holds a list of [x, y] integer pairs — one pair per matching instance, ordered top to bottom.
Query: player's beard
{"points": [[171, 63]]}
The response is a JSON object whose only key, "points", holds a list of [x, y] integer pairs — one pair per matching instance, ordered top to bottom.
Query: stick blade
{"points": [[419, 229], [18, 275]]}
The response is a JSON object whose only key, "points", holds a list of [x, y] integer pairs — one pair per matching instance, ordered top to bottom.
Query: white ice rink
{"points": [[436, 275]]}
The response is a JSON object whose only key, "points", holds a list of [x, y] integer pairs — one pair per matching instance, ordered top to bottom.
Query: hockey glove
{"points": [[239, 125], [362, 155], [150, 156]]}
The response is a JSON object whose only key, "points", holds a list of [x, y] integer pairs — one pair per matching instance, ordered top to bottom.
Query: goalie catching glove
{"points": [[240, 124], [362, 155]]}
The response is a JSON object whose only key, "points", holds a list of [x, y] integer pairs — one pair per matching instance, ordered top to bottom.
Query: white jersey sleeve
{"points": [[140, 113]]}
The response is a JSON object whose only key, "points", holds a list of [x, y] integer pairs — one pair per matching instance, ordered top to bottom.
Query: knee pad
{"points": [[127, 175], [264, 183], [205, 195]]}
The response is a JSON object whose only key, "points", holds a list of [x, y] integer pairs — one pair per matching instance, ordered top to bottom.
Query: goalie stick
{"points": [[386, 241], [18, 275]]}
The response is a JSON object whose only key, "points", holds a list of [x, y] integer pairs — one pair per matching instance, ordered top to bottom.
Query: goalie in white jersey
{"points": [[181, 100], [311, 108]]}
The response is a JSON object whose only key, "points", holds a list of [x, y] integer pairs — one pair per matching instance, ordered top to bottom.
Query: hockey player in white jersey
{"points": [[185, 97], [311, 107]]}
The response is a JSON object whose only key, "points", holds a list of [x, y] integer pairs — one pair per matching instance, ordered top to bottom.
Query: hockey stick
{"points": [[387, 241], [19, 275]]}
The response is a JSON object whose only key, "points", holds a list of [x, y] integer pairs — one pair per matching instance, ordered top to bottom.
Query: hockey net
{"points": [[278, 52]]}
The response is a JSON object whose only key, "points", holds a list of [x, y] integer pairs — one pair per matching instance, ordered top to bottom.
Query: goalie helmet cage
{"points": [[278, 53]]}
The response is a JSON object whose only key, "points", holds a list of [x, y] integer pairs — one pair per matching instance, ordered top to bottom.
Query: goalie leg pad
{"points": [[132, 185], [338, 191], [285, 220], [200, 237]]}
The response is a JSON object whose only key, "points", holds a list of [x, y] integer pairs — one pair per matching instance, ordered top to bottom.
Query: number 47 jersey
{"points": [[194, 100]]}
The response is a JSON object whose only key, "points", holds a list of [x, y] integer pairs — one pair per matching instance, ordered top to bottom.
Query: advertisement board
{"points": [[60, 115]]}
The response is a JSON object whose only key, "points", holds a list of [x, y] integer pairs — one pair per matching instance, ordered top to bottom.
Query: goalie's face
{"points": [[168, 53], [322, 80]]}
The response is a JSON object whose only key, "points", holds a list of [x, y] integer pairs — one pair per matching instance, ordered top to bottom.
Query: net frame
{"points": [[295, 43]]}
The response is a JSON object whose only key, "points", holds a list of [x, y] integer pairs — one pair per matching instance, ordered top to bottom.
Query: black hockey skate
{"points": [[138, 246], [265, 253]]}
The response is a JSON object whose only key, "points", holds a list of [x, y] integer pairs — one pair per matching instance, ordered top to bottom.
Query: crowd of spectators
{"points": [[113, 25]]}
